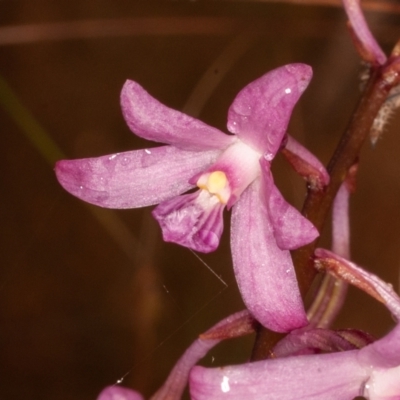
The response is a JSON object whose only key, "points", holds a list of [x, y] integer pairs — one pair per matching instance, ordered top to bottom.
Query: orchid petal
{"points": [[371, 50], [260, 113], [151, 120], [306, 164], [135, 178], [193, 220], [291, 229], [264, 272], [357, 276], [236, 325], [385, 352], [309, 377], [176, 382], [384, 385], [119, 393]]}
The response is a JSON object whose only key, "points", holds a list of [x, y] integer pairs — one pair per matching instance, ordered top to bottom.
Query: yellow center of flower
{"points": [[215, 183]]}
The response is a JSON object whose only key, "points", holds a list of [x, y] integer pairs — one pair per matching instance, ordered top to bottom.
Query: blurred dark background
{"points": [[89, 296]]}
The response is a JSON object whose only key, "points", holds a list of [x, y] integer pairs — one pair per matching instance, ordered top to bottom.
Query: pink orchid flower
{"points": [[228, 170]]}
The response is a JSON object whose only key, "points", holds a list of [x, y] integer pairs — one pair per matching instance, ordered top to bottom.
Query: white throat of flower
{"points": [[236, 168]]}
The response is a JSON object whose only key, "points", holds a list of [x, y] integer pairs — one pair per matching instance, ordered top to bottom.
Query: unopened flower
{"points": [[228, 170]]}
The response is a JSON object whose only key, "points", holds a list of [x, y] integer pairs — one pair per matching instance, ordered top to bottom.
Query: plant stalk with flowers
{"points": [[295, 355]]}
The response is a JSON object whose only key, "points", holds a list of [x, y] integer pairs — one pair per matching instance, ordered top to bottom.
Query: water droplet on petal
{"points": [[288, 90], [147, 151], [269, 156], [112, 157], [125, 160], [225, 384], [365, 388]]}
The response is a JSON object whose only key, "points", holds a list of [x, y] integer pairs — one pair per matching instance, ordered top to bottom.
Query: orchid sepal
{"points": [[365, 42], [260, 113], [151, 120], [305, 164], [122, 180], [291, 229], [265, 273]]}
